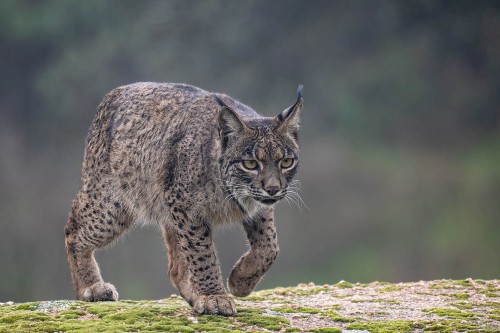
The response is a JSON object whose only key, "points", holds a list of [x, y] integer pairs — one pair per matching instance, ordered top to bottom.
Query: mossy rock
{"points": [[433, 306]]}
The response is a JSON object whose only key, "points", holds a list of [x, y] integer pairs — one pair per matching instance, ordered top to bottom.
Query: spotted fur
{"points": [[174, 155]]}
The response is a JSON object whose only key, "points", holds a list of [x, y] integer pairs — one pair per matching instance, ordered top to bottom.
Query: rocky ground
{"points": [[426, 306]]}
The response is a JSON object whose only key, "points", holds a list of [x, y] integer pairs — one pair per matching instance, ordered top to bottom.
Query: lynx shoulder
{"points": [[186, 160]]}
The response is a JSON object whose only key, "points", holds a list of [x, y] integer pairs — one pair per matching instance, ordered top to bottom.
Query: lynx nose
{"points": [[272, 186]]}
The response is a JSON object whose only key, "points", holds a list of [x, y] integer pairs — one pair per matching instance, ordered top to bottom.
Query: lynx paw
{"points": [[240, 286], [100, 291], [215, 304]]}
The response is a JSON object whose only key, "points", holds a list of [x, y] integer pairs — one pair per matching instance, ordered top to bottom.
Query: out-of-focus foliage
{"points": [[400, 132]]}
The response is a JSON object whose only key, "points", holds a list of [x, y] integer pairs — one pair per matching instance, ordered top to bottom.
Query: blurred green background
{"points": [[400, 133]]}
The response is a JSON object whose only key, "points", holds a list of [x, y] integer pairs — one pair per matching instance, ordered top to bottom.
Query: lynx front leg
{"points": [[250, 268], [194, 269]]}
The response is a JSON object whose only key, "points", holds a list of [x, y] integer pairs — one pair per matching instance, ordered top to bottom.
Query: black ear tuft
{"points": [[300, 88], [219, 101], [297, 104], [288, 120]]}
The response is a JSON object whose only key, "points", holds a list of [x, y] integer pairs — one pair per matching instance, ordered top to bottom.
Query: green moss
{"points": [[463, 283], [344, 284], [374, 284], [444, 284], [453, 284], [492, 286], [391, 288], [487, 288], [491, 290], [305, 291], [310, 291], [266, 292], [460, 296], [253, 297], [388, 301], [490, 304], [463, 305], [26, 306], [300, 309], [327, 313], [381, 313], [451, 313], [70, 314], [494, 314], [24, 315], [173, 315], [127, 316], [337, 317], [257, 318], [457, 321], [209, 323], [385, 326], [452, 326], [293, 330], [327, 330]]}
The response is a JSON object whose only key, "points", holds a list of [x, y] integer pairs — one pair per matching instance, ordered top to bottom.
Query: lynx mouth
{"points": [[267, 201]]}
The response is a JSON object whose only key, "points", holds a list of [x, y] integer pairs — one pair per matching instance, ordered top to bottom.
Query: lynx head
{"points": [[260, 155]]}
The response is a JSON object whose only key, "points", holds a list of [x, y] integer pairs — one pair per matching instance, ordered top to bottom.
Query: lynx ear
{"points": [[289, 119], [229, 121]]}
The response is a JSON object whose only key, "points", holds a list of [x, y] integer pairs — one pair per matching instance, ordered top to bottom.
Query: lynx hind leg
{"points": [[93, 223], [248, 271]]}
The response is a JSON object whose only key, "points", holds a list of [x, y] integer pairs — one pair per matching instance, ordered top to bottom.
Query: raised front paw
{"points": [[241, 286], [100, 291], [215, 304]]}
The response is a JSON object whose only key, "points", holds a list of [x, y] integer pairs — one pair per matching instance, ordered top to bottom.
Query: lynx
{"points": [[185, 160]]}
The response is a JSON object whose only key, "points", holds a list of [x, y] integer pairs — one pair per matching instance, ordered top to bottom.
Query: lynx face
{"points": [[260, 156]]}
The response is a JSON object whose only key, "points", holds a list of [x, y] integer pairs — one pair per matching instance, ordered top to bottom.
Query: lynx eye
{"points": [[286, 163], [250, 164]]}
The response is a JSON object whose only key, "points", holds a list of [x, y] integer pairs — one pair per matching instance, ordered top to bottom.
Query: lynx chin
{"points": [[186, 160]]}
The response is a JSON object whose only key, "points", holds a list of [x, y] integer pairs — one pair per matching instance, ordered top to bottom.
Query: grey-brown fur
{"points": [[171, 155]]}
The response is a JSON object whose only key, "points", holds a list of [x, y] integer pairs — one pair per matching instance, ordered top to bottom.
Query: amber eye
{"points": [[286, 163], [250, 164]]}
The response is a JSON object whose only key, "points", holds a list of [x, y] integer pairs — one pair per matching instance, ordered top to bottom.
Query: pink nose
{"points": [[272, 186], [272, 190]]}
